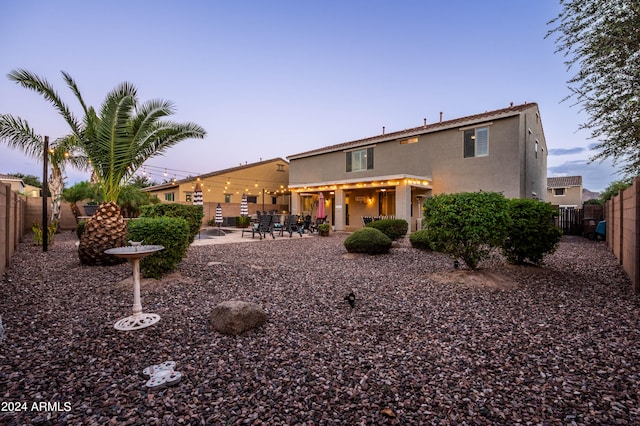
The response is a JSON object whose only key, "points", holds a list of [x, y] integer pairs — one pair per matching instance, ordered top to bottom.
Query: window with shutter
{"points": [[359, 160]]}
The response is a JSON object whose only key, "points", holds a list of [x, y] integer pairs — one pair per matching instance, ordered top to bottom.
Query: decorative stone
{"points": [[236, 317]]}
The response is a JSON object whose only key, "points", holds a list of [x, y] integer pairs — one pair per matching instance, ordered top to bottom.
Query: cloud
{"points": [[592, 146], [567, 151], [596, 176]]}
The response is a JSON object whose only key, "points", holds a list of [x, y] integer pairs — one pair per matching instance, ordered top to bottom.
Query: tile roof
{"points": [[429, 128], [9, 177], [564, 181]]}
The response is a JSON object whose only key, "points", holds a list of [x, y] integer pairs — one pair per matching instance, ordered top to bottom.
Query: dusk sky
{"points": [[269, 79]]}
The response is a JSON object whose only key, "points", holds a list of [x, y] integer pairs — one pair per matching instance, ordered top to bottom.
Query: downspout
{"points": [[526, 136]]}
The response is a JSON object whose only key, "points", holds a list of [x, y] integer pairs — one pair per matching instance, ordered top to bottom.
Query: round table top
{"points": [[132, 252]]}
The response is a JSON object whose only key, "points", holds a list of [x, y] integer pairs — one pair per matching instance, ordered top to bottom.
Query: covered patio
{"points": [[347, 201]]}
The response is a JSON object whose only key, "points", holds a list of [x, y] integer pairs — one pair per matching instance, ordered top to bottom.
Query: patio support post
{"points": [[403, 201], [295, 203], [340, 210]]}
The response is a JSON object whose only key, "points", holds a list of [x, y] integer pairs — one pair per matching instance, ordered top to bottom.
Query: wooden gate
{"points": [[570, 221]]}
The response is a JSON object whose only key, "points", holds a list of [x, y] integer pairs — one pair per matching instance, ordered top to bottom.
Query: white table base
{"points": [[136, 322]]}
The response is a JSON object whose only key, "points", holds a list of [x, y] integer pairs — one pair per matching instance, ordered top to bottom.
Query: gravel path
{"points": [[561, 346]]}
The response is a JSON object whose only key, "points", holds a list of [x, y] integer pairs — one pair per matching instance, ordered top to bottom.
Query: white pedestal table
{"points": [[139, 319]]}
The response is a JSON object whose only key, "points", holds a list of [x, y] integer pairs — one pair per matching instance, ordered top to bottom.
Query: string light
{"points": [[217, 182]]}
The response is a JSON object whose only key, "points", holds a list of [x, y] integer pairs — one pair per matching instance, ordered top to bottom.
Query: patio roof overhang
{"points": [[424, 182]]}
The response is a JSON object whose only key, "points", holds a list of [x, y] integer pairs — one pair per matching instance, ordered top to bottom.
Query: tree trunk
{"points": [[56, 185], [76, 212], [105, 229]]}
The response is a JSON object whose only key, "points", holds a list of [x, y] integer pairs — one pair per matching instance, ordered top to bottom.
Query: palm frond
{"points": [[31, 81], [74, 88], [149, 113], [17, 134], [113, 146], [71, 152]]}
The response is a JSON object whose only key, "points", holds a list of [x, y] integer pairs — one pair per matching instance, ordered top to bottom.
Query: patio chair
{"points": [[316, 223], [290, 225], [305, 225], [265, 226], [253, 228]]}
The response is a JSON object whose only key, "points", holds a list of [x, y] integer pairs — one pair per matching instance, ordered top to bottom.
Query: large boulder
{"points": [[236, 317]]}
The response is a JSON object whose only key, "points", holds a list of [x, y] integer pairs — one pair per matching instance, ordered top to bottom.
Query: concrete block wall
{"points": [[12, 210], [623, 230]]}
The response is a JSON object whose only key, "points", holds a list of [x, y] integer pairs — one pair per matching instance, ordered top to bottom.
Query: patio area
{"points": [[424, 344]]}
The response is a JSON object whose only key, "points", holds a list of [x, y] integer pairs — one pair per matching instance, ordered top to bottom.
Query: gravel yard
{"points": [[424, 344]]}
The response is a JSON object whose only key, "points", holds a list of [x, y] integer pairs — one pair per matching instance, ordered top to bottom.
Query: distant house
{"points": [[390, 174], [16, 183], [264, 183], [565, 191]]}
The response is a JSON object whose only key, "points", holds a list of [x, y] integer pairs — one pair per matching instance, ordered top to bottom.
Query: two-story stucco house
{"points": [[390, 174], [565, 191]]}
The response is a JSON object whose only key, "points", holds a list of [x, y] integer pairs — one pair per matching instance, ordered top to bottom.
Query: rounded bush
{"points": [[193, 214], [467, 225], [392, 228], [170, 232], [533, 234], [367, 240], [420, 240]]}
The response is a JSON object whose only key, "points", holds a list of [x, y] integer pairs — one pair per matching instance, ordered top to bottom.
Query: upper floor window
{"points": [[408, 141], [476, 142], [361, 159], [558, 192], [169, 196], [188, 197], [227, 198], [252, 199]]}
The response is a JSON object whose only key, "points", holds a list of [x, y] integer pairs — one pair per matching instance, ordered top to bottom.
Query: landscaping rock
{"points": [[236, 317], [424, 342]]}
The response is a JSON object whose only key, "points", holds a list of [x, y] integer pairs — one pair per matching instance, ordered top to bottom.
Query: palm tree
{"points": [[17, 134], [117, 140], [78, 192]]}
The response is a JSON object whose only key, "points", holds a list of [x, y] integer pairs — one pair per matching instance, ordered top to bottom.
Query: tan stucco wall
{"points": [[440, 155], [272, 176], [534, 177], [572, 197], [34, 213]]}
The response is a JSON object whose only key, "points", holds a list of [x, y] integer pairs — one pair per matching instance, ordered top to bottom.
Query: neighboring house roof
{"points": [[428, 128], [216, 173], [10, 178], [564, 181]]}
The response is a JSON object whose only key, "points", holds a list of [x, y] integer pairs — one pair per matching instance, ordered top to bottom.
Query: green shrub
{"points": [[191, 213], [243, 221], [467, 225], [80, 228], [392, 228], [323, 229], [170, 232], [533, 234], [38, 237], [367, 240], [420, 240]]}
